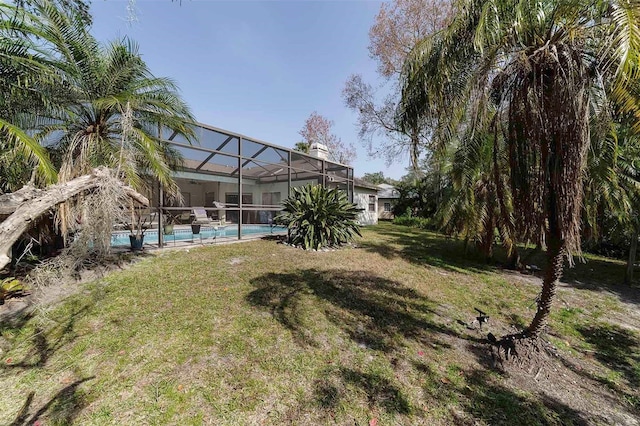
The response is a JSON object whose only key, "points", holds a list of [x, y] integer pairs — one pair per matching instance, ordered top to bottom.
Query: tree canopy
{"points": [[534, 76], [317, 129]]}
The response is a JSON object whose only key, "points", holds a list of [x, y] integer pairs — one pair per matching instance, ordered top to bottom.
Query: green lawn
{"points": [[261, 333]]}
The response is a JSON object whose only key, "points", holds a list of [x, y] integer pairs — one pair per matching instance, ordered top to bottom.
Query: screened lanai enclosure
{"points": [[238, 181]]}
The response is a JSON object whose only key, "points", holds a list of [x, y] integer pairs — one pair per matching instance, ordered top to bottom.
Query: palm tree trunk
{"points": [[414, 151], [487, 240], [509, 241], [487, 244], [513, 261], [555, 263], [552, 273], [628, 277]]}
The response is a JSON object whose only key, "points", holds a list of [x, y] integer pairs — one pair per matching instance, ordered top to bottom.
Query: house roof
{"points": [[363, 184], [387, 191]]}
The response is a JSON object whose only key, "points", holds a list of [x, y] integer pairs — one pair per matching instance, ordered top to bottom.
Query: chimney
{"points": [[319, 150]]}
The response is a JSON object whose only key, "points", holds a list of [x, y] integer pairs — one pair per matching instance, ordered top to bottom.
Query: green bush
{"points": [[319, 217], [413, 221], [10, 287]]}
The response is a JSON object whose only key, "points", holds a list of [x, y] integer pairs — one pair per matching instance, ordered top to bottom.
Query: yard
{"points": [[381, 333]]}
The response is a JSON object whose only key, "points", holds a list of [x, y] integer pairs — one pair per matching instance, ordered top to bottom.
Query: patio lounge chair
{"points": [[200, 216]]}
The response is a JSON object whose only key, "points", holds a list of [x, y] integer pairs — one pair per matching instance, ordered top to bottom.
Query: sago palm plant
{"points": [[319, 217]]}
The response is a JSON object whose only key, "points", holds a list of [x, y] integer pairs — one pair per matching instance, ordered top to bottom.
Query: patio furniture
{"points": [[220, 212], [184, 218], [199, 218], [169, 233]]}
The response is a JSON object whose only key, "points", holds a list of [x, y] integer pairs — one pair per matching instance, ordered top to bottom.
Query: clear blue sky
{"points": [[258, 68]]}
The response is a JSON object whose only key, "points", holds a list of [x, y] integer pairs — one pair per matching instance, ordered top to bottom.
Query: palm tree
{"points": [[23, 69], [535, 69], [88, 104], [114, 107], [612, 186]]}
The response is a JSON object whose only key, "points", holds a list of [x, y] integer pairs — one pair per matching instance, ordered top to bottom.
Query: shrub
{"points": [[319, 217], [414, 222], [10, 287]]}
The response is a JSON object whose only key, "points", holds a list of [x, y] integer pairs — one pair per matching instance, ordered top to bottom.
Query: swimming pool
{"points": [[206, 233]]}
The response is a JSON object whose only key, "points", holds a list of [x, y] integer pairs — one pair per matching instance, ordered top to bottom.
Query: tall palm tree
{"points": [[535, 68], [89, 104], [113, 107]]}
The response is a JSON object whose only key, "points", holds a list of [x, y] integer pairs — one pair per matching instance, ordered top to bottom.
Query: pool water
{"points": [[206, 233]]}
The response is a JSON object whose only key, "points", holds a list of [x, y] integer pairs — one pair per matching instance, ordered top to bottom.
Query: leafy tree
{"points": [[79, 8], [399, 25], [532, 71], [26, 77], [91, 105], [115, 109], [317, 129], [301, 147], [375, 178], [612, 192], [416, 198], [476, 202], [319, 217]]}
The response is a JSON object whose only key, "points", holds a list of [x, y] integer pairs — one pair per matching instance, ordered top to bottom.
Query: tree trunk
{"points": [[414, 151], [27, 204], [509, 240], [487, 242], [556, 246], [513, 260], [552, 273], [628, 277]]}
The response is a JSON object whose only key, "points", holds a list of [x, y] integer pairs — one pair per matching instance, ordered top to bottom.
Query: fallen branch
{"points": [[29, 203]]}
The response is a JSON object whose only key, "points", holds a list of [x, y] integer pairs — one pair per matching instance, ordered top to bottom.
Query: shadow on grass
{"points": [[426, 248], [431, 249], [602, 275], [373, 311], [45, 342], [616, 347], [619, 350], [379, 391], [481, 399], [494, 404], [62, 408]]}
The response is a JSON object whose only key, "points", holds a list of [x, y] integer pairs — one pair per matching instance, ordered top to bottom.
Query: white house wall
{"points": [[361, 199], [381, 213]]}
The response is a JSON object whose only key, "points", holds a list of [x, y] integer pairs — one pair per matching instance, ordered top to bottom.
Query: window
{"points": [[270, 198], [372, 203], [387, 207]]}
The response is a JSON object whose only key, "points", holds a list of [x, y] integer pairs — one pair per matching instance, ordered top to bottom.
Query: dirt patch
{"points": [[566, 381], [560, 383]]}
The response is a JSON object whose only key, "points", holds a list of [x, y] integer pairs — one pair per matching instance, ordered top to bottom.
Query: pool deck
{"points": [[198, 240]]}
